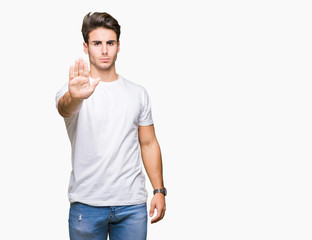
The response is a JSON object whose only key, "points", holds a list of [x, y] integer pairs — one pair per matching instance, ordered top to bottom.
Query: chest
{"points": [[113, 105]]}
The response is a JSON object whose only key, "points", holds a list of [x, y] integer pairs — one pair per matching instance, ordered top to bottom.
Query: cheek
{"points": [[116, 50], [93, 52]]}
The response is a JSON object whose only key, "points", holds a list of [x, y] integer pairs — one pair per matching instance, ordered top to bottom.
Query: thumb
{"points": [[96, 82], [151, 213]]}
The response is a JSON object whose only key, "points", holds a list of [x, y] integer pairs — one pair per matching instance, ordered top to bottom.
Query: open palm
{"points": [[79, 85]]}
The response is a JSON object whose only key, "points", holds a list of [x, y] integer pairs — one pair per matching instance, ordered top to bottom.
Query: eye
{"points": [[97, 43], [110, 43]]}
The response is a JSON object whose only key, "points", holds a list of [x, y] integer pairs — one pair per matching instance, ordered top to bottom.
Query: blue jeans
{"points": [[95, 223]]}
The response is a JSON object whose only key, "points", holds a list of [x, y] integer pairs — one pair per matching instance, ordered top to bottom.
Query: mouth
{"points": [[104, 59]]}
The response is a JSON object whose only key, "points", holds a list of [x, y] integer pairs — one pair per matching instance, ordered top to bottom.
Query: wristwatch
{"points": [[160, 190]]}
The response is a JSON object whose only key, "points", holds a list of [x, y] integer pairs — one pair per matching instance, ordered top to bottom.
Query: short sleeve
{"points": [[60, 93], [146, 112]]}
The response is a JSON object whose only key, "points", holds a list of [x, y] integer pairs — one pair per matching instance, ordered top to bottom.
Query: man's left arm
{"points": [[151, 157]]}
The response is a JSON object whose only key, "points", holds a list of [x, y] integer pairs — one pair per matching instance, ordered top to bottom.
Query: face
{"points": [[102, 48]]}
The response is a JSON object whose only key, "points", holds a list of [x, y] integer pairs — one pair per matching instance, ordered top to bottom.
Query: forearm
{"points": [[68, 106], [151, 156]]}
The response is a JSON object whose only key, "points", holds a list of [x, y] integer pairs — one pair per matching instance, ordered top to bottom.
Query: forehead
{"points": [[102, 34]]}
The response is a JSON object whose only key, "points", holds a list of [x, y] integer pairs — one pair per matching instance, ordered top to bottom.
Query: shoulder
{"points": [[133, 86]]}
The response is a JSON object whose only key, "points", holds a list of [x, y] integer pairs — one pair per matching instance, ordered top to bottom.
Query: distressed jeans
{"points": [[96, 223]]}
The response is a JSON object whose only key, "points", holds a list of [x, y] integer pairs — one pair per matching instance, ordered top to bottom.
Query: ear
{"points": [[118, 45], [85, 48]]}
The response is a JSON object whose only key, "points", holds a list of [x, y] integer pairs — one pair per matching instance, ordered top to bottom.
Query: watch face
{"points": [[163, 191]]}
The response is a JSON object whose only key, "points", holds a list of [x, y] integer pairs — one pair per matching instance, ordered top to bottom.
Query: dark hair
{"points": [[99, 19]]}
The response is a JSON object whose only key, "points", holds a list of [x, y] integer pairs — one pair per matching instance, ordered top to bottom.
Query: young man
{"points": [[110, 127]]}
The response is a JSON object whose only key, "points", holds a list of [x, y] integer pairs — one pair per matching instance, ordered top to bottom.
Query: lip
{"points": [[105, 59]]}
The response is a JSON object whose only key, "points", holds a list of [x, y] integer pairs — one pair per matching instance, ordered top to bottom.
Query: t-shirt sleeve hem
{"points": [[146, 123]]}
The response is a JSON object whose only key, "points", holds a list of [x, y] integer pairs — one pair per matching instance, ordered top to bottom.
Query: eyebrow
{"points": [[108, 41]]}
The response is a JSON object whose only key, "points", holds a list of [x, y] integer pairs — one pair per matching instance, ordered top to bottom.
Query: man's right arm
{"points": [[79, 88], [68, 106]]}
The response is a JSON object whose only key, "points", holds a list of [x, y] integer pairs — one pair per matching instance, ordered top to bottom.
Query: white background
{"points": [[230, 83]]}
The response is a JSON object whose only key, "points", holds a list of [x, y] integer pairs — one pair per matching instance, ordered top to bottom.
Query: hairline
{"points": [[117, 40]]}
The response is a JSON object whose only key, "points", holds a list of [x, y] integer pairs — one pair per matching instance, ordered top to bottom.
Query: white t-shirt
{"points": [[106, 155]]}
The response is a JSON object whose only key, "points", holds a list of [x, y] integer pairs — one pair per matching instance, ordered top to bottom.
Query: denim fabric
{"points": [[96, 223]]}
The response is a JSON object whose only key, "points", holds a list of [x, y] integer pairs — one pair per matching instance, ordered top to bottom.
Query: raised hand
{"points": [[79, 86]]}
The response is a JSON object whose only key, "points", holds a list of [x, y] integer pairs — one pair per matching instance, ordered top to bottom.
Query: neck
{"points": [[107, 75]]}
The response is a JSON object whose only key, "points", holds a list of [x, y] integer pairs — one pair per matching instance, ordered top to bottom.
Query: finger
{"points": [[80, 67], [76, 69], [85, 69], [71, 72], [95, 82], [152, 209], [163, 213], [160, 214], [157, 218]]}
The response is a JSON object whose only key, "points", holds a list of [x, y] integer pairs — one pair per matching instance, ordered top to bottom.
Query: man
{"points": [[110, 127]]}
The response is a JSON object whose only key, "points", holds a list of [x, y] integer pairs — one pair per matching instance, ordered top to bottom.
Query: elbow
{"points": [[62, 112], [146, 146]]}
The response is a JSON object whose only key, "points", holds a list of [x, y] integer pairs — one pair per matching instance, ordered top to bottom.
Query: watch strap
{"points": [[160, 190]]}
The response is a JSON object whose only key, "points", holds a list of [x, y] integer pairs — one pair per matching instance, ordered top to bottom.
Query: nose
{"points": [[104, 49]]}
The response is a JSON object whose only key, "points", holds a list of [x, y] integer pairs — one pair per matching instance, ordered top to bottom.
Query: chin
{"points": [[104, 66]]}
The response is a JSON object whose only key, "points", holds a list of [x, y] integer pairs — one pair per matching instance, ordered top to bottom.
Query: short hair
{"points": [[99, 19]]}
